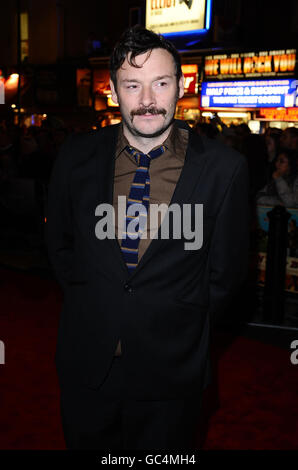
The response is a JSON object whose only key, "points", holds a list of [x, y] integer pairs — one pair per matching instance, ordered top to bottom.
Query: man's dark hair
{"points": [[138, 40]]}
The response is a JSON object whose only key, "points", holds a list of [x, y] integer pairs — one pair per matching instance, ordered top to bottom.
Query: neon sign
{"points": [[273, 64], [250, 94]]}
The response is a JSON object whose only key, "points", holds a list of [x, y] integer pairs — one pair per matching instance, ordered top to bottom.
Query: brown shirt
{"points": [[164, 173]]}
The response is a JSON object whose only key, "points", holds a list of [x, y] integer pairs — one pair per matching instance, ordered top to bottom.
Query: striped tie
{"points": [[136, 216]]}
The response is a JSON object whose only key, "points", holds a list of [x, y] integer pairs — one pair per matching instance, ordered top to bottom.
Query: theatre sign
{"points": [[178, 16], [241, 65], [250, 94]]}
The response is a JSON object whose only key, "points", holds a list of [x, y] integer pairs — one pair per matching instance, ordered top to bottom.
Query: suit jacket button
{"points": [[128, 288]]}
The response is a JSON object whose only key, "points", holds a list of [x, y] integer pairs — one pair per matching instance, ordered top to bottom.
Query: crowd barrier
{"points": [[277, 245]]}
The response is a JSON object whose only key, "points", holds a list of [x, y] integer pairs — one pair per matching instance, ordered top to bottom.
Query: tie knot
{"points": [[144, 159]]}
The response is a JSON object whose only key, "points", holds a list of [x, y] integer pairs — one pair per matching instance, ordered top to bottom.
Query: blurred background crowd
{"points": [[30, 152]]}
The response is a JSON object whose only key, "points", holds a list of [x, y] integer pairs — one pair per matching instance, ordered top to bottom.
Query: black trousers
{"points": [[105, 419]]}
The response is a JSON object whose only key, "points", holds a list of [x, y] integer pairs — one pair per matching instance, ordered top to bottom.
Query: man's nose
{"points": [[147, 96]]}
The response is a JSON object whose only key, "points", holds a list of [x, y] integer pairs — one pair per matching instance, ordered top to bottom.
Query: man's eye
{"points": [[162, 84], [131, 87]]}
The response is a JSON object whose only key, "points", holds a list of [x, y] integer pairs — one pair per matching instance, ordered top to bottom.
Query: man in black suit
{"points": [[133, 339]]}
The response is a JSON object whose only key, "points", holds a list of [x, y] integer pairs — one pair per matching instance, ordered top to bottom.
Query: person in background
{"points": [[206, 129], [289, 138], [272, 142], [254, 150], [283, 188]]}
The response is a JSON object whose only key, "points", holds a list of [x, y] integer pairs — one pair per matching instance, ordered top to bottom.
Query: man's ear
{"points": [[181, 86], [114, 94]]}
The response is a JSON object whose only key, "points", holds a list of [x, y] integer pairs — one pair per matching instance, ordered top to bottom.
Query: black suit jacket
{"points": [[163, 311]]}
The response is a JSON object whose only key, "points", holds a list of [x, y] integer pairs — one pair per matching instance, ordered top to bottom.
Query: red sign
{"points": [[190, 72], [275, 114]]}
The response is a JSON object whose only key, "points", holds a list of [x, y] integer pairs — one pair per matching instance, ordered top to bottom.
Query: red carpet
{"points": [[257, 391], [253, 406]]}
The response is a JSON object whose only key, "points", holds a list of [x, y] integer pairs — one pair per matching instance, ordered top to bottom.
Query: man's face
{"points": [[147, 96], [282, 164]]}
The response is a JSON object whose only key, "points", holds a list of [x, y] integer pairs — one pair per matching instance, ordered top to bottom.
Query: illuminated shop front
{"points": [[251, 87], [94, 93], [188, 106], [278, 117]]}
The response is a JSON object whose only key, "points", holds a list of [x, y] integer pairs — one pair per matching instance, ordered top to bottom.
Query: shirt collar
{"points": [[171, 142]]}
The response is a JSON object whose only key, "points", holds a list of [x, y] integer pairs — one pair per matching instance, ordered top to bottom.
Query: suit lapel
{"points": [[106, 163], [105, 172], [189, 178]]}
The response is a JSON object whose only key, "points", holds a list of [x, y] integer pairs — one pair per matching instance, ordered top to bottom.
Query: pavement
{"points": [[26, 252]]}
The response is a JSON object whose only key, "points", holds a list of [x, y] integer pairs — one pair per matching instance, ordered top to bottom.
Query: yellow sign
{"points": [[175, 16]]}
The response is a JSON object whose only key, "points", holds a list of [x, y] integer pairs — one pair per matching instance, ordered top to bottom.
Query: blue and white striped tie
{"points": [[139, 195]]}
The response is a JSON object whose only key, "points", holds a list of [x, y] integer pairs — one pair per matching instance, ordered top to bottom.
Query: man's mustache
{"points": [[144, 110]]}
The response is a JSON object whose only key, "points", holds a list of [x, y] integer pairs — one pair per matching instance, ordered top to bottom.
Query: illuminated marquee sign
{"points": [[172, 17], [250, 64], [190, 72], [250, 94], [283, 114]]}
